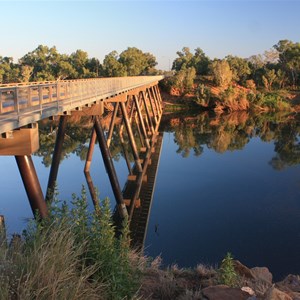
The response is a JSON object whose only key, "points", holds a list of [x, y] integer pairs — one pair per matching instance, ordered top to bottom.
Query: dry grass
{"points": [[48, 267]]}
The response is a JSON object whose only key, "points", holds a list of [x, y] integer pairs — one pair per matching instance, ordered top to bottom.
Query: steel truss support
{"points": [[147, 111], [140, 116], [112, 123], [131, 138], [56, 157], [110, 167], [32, 186]]}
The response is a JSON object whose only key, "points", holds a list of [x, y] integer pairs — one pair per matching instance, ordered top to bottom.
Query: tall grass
{"points": [[73, 254]]}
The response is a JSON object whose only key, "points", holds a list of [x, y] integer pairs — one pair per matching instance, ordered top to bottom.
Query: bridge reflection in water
{"points": [[131, 106]]}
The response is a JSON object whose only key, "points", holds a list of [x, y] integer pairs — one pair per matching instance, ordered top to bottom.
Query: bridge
{"points": [[134, 103]]}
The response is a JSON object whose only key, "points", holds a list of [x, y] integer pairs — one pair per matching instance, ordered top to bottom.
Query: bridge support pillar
{"points": [[131, 138], [56, 157], [110, 168], [32, 186]]}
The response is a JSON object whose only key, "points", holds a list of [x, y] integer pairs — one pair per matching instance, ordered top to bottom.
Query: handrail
{"points": [[18, 100]]}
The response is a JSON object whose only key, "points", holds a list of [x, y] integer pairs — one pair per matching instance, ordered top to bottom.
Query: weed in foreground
{"points": [[73, 254]]}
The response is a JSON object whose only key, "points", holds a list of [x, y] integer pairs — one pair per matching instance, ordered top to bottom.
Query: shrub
{"points": [[73, 254], [227, 273]]}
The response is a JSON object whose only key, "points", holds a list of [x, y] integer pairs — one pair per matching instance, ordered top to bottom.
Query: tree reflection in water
{"points": [[229, 132]]}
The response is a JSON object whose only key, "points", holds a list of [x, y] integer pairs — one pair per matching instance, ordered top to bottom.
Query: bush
{"points": [[73, 254], [227, 273]]}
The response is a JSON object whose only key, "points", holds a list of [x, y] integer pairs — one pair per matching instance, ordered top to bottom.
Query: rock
{"points": [[242, 270], [262, 273], [290, 283], [248, 290], [223, 292], [275, 294]]}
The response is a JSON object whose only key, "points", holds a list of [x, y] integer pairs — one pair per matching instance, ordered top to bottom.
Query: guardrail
{"points": [[20, 99]]}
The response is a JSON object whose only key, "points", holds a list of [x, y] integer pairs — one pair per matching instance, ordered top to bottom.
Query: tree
{"points": [[186, 59], [289, 59], [43, 60], [79, 61], [136, 62], [200, 62], [112, 67], [240, 68], [9, 72], [26, 72], [221, 72], [268, 79], [184, 80]]}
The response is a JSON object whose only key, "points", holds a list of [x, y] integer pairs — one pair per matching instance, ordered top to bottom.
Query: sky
{"points": [[219, 28]]}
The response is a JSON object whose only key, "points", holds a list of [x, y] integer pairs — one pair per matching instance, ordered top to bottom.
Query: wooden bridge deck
{"points": [[23, 104]]}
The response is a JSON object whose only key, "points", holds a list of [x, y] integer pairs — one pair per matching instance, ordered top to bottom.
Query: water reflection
{"points": [[230, 132], [219, 189]]}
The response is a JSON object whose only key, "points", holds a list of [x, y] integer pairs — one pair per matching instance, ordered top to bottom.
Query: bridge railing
{"points": [[22, 97]]}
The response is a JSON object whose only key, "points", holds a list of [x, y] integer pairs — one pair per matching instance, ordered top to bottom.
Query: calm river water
{"points": [[224, 184]]}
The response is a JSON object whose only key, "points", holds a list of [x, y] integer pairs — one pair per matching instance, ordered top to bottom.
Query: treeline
{"points": [[45, 64], [279, 67], [236, 83]]}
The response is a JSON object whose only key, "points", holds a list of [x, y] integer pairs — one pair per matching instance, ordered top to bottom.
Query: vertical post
{"points": [[41, 98], [159, 98], [155, 99], [16, 101], [29, 103], [152, 107], [147, 112], [141, 121], [112, 123], [139, 130], [131, 138], [90, 151], [125, 153], [56, 157], [110, 168], [32, 186], [91, 187]]}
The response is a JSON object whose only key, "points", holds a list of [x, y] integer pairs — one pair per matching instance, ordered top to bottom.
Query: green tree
{"points": [[186, 59], [289, 59], [43, 60], [183, 60], [79, 61], [136, 62], [112, 67], [240, 68], [9, 72], [26, 72], [221, 72], [269, 78], [184, 80]]}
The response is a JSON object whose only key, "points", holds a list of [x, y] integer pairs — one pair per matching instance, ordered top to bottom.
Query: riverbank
{"points": [[234, 98], [204, 283]]}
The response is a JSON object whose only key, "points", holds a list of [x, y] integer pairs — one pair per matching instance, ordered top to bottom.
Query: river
{"points": [[227, 183]]}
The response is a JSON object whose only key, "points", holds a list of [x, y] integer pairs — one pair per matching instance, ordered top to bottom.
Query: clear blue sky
{"points": [[219, 28]]}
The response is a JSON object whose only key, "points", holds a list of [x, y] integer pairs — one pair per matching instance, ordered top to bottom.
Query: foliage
{"points": [[186, 60], [46, 63], [240, 68], [221, 72], [184, 80], [203, 95], [73, 254], [227, 273]]}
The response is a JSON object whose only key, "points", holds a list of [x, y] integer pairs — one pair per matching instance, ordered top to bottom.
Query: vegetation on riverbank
{"points": [[261, 83], [74, 254]]}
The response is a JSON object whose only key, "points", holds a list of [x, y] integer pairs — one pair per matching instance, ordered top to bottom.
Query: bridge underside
{"points": [[134, 115]]}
